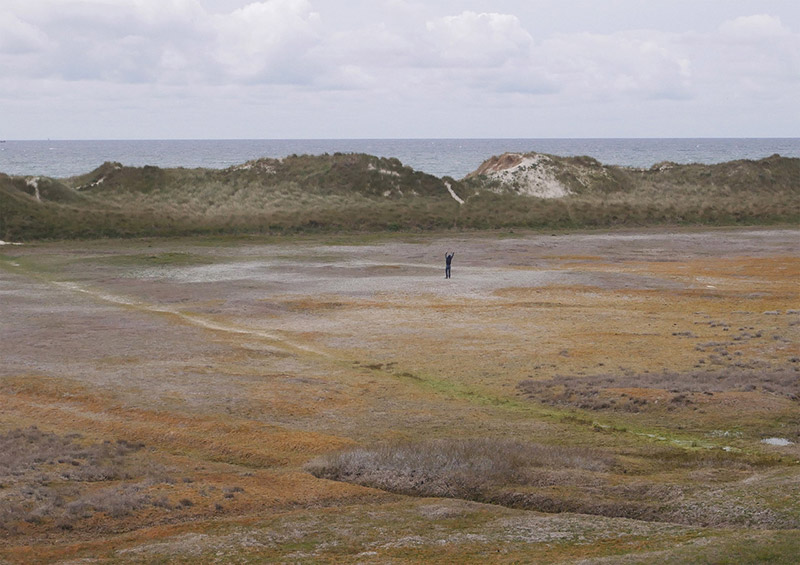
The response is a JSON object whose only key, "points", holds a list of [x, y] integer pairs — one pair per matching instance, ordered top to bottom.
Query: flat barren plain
{"points": [[596, 397]]}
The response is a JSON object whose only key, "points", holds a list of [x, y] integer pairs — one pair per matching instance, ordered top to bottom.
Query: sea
{"points": [[440, 157]]}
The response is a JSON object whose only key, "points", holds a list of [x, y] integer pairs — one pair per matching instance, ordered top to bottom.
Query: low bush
{"points": [[467, 468], [550, 478]]}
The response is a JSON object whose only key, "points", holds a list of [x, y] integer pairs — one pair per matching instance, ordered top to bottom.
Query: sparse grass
{"points": [[624, 392], [24, 450], [48, 479], [739, 548]]}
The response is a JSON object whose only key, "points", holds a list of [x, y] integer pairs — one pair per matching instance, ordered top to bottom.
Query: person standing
{"points": [[448, 258]]}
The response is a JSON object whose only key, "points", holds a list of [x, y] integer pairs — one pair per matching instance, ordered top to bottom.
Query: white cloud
{"points": [[753, 28], [100, 39], [165, 40], [265, 40], [478, 40], [375, 45], [428, 57], [750, 57], [628, 63]]}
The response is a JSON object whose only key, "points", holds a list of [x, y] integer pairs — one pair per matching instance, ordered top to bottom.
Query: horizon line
{"points": [[388, 138]]}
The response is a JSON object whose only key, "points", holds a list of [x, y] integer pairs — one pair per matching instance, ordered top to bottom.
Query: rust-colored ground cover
{"points": [[254, 394]]}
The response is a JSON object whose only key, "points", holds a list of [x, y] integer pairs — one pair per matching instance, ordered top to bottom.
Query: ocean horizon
{"points": [[453, 157]]}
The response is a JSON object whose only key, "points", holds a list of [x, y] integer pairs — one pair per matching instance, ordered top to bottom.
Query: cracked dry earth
{"points": [[197, 383]]}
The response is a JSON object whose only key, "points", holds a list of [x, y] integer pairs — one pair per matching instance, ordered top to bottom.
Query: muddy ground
{"points": [[231, 364]]}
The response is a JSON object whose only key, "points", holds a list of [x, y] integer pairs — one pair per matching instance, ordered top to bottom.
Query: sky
{"points": [[339, 69]]}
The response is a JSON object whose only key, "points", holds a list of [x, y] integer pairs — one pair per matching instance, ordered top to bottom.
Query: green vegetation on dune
{"points": [[355, 192]]}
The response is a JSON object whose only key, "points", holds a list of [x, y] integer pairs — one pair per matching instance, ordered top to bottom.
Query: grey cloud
{"points": [[18, 37], [136, 42], [303, 57], [601, 66]]}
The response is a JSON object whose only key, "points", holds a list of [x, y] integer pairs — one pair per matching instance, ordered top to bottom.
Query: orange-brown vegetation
{"points": [[580, 396]]}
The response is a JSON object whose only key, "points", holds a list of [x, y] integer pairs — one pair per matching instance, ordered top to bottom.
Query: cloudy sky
{"points": [[174, 69]]}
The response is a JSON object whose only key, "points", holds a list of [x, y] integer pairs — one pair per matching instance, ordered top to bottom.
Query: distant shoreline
{"points": [[452, 157]]}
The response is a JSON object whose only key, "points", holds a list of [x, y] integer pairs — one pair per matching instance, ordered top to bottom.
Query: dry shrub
{"points": [[463, 468], [516, 474], [549, 478]]}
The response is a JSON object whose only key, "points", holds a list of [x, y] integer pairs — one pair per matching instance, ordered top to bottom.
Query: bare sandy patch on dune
{"points": [[531, 175]]}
